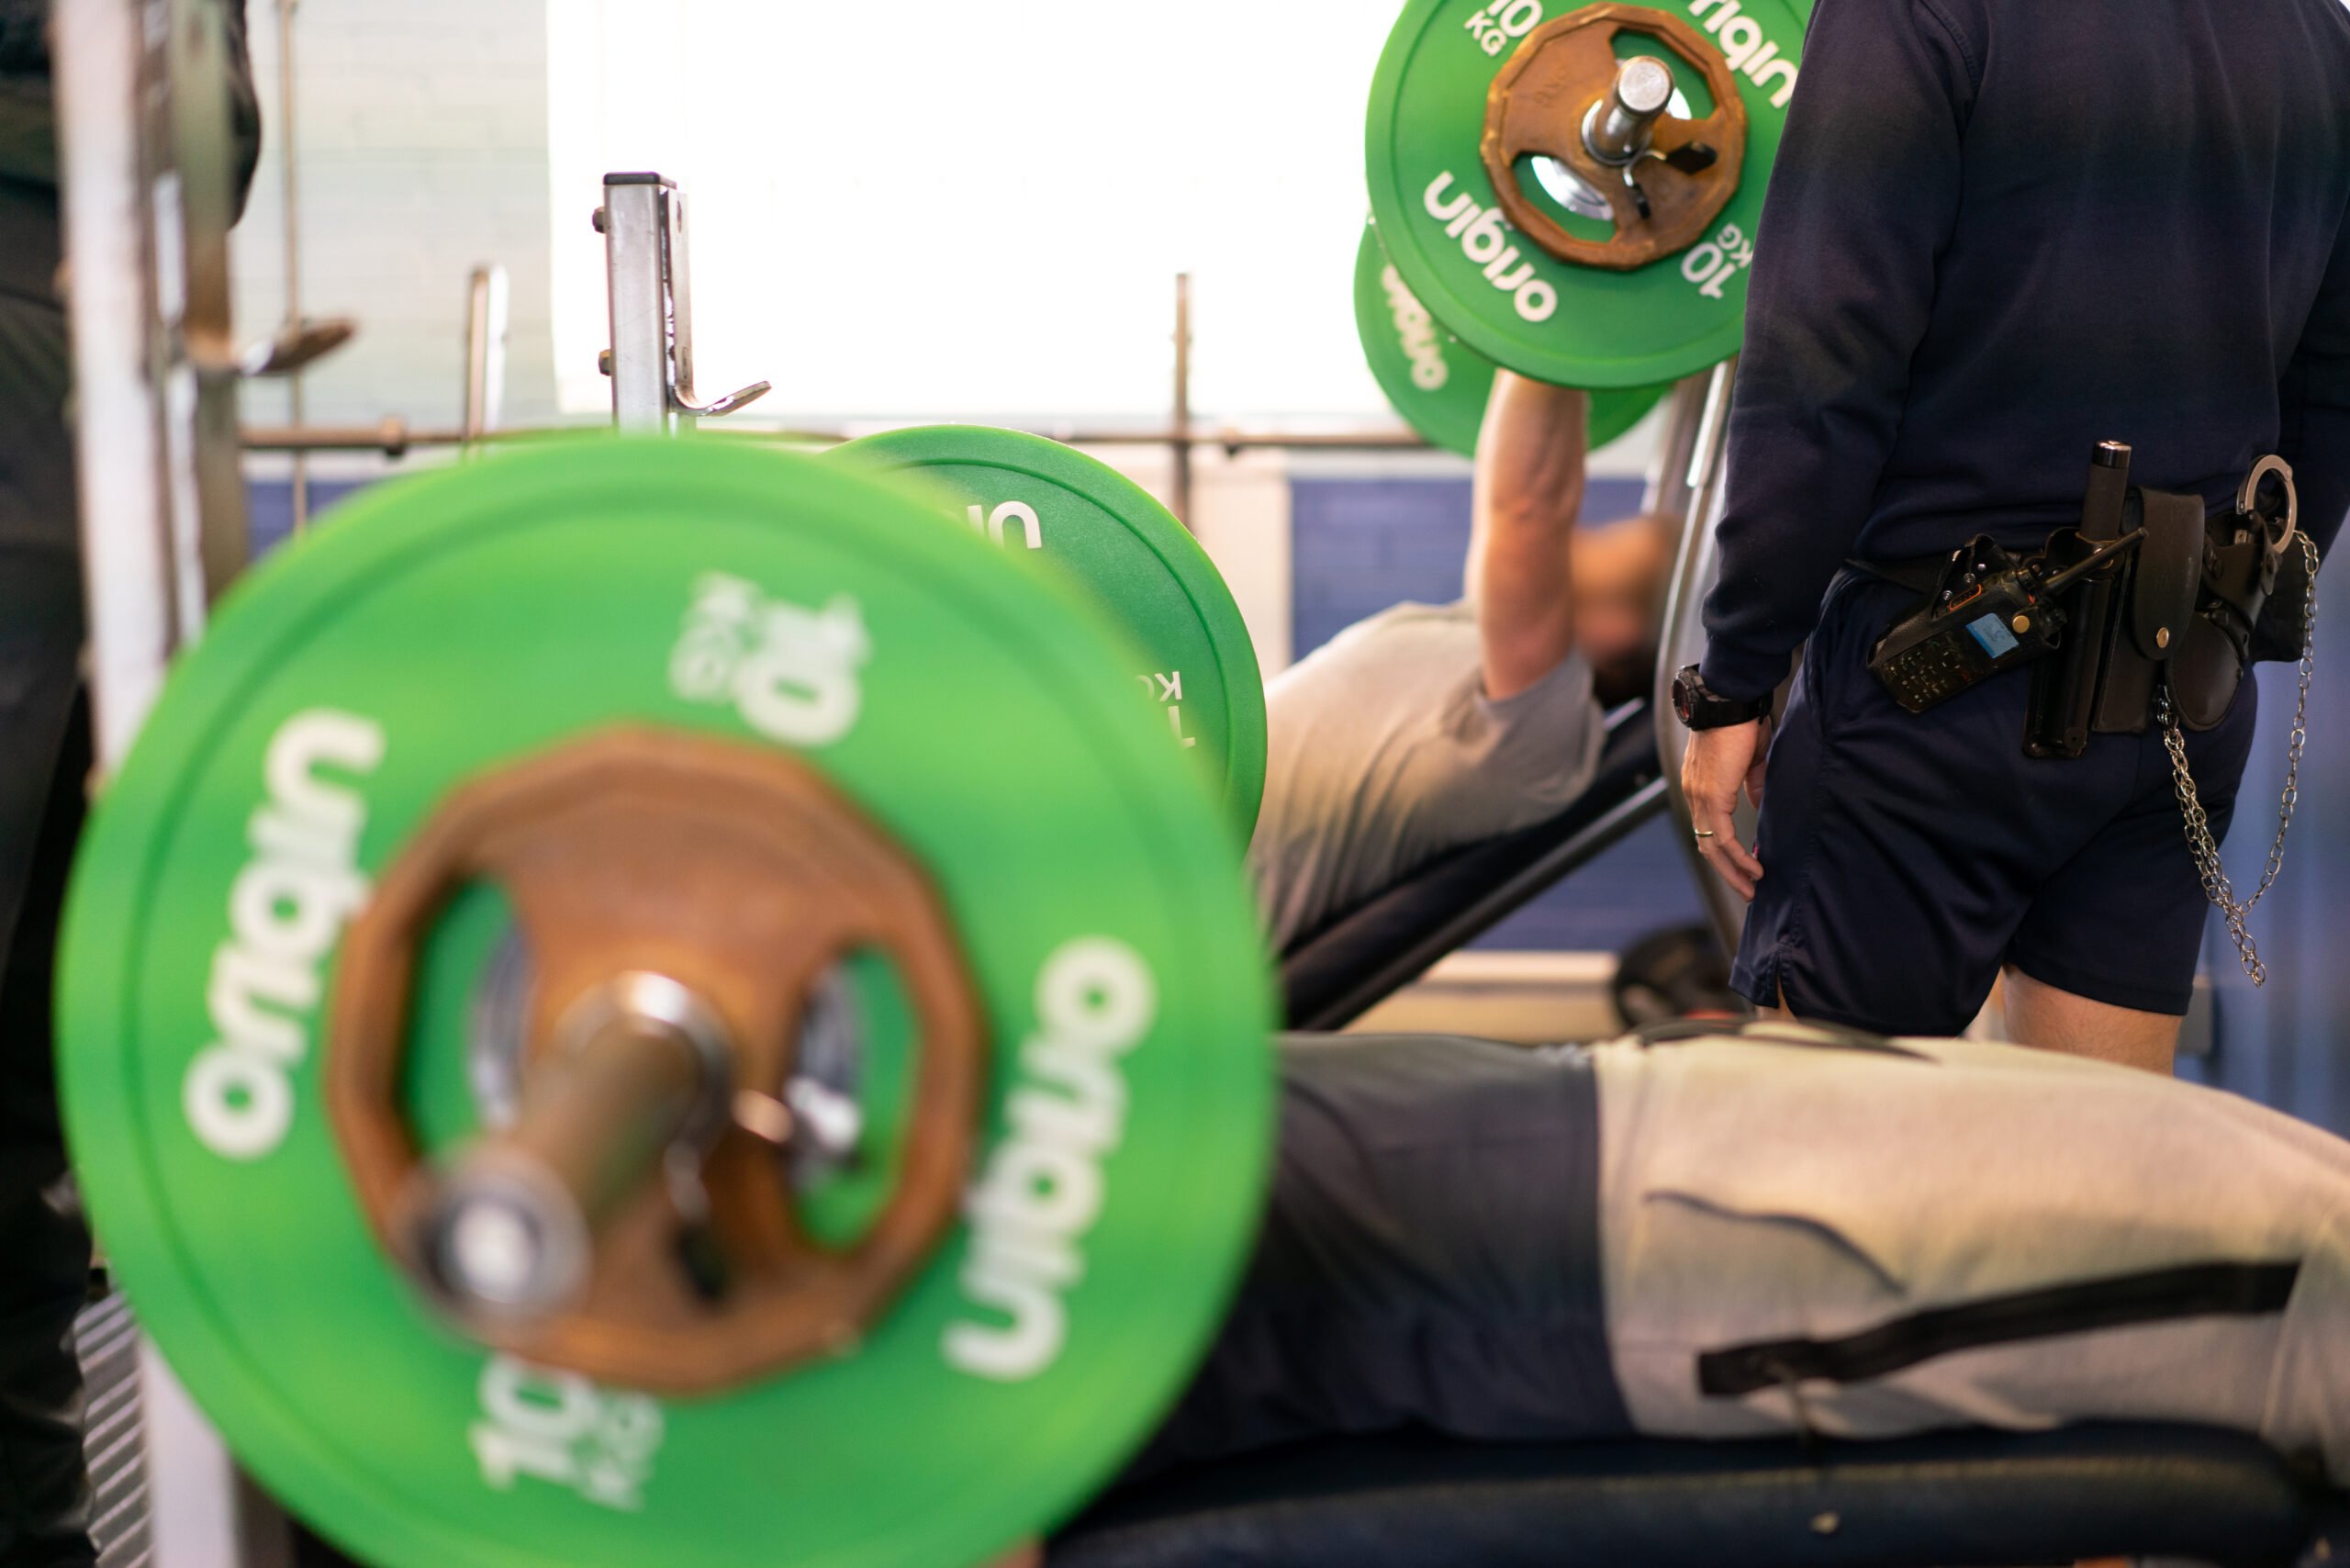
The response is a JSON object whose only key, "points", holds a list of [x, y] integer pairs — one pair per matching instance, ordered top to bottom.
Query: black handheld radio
{"points": [[1989, 613]]}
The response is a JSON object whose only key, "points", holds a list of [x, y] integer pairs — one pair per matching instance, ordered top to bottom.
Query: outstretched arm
{"points": [[1528, 488]]}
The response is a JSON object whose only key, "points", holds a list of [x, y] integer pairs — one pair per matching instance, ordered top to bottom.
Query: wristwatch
{"points": [[1702, 709]]}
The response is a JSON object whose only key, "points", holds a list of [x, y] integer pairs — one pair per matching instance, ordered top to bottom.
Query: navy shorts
{"points": [[1906, 857], [1429, 1256]]}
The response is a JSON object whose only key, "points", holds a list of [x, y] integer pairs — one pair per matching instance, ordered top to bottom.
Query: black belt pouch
{"points": [[2155, 611]]}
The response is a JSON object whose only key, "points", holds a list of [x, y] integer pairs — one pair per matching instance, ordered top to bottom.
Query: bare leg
{"points": [[2040, 1015], [1991, 1024]]}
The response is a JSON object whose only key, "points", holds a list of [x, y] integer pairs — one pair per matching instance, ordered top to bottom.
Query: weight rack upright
{"points": [[144, 141]]}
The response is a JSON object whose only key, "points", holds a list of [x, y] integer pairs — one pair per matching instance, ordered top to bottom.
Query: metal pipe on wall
{"points": [[289, 172], [485, 331], [393, 437], [1178, 437]]}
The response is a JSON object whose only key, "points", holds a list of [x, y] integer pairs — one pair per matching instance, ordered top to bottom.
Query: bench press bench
{"points": [[1334, 975], [1969, 1497]]}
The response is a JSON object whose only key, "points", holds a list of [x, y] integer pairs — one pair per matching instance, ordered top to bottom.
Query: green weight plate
{"points": [[1508, 300], [1437, 382], [1613, 414], [1131, 556], [462, 620]]}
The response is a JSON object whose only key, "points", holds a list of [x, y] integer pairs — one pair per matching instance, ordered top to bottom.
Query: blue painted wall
{"points": [[269, 508], [1360, 545]]}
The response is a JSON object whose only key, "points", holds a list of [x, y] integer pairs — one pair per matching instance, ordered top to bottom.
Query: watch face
{"points": [[1685, 692]]}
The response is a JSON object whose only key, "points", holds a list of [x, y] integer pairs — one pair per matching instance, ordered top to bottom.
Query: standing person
{"points": [[1996, 234], [45, 742]]}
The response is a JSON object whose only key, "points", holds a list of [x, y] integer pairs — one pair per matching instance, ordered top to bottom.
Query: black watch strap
{"points": [[1701, 708]]}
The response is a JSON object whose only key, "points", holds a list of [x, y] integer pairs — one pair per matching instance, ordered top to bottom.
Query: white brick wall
{"points": [[422, 136], [424, 150]]}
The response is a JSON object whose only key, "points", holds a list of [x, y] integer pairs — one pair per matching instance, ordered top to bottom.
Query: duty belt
{"points": [[2151, 609]]}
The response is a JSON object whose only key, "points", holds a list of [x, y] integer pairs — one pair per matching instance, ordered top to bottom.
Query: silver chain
{"points": [[2200, 843]]}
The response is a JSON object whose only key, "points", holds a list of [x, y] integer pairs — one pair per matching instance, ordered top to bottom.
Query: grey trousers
{"points": [[1725, 1233], [1430, 1256]]}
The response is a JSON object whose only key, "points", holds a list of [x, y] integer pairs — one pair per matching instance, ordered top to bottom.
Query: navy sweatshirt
{"points": [[1999, 232]]}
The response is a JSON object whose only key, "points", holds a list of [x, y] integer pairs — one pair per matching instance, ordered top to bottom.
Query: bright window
{"points": [[977, 210]]}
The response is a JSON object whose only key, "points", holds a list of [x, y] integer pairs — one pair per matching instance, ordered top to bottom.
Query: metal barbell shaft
{"points": [[1618, 129], [510, 1230]]}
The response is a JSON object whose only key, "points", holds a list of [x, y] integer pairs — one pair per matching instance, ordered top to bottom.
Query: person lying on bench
{"points": [[1427, 727], [1722, 1234]]}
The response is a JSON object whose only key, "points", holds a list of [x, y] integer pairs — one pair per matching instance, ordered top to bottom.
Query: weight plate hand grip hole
{"points": [[726, 882]]}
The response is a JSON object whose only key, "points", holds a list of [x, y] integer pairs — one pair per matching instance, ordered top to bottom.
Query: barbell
{"points": [[1573, 190], [656, 1001]]}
